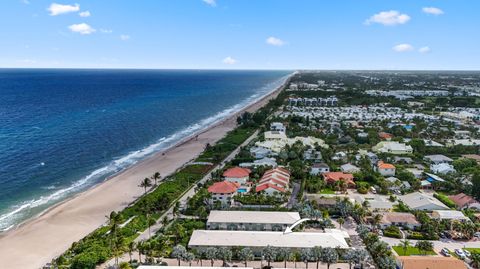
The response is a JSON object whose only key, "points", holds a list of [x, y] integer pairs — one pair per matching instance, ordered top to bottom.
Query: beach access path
{"points": [[41, 239]]}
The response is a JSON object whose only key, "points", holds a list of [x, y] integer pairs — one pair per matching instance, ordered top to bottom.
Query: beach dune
{"points": [[38, 241]]}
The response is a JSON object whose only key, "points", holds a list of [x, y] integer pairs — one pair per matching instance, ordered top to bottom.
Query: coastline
{"points": [[38, 240]]}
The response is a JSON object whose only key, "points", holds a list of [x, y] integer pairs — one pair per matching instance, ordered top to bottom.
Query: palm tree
{"points": [[156, 176], [146, 183], [376, 220], [341, 221], [405, 245], [132, 246], [424, 246], [140, 248], [179, 252], [269, 253], [211, 254], [245, 254], [317, 254], [225, 255], [284, 255], [306, 256], [329, 256], [189, 257], [349, 257], [476, 259]]}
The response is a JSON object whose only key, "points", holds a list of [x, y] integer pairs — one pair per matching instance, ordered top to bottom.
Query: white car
{"points": [[477, 234], [446, 252], [460, 253], [467, 253]]}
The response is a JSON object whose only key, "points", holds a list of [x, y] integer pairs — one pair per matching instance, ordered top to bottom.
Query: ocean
{"points": [[63, 131]]}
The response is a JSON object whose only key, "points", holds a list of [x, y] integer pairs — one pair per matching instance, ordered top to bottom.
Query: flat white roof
{"points": [[450, 214], [271, 217], [263, 239]]}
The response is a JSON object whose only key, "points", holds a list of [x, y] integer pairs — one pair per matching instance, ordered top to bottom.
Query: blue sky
{"points": [[241, 34]]}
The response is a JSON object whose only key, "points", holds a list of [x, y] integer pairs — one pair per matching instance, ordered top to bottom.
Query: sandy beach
{"points": [[39, 240]]}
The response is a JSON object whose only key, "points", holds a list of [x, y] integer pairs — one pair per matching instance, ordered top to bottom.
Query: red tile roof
{"points": [[384, 135], [382, 165], [236, 172], [332, 177], [265, 186], [223, 187], [462, 199]]}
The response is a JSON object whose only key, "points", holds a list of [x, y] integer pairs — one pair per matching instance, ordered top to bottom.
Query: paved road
{"points": [[293, 198], [183, 199], [438, 244]]}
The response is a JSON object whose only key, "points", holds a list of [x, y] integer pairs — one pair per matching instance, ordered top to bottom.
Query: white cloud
{"points": [[212, 3], [58, 9], [432, 10], [85, 14], [388, 18], [81, 28], [106, 31], [124, 37], [275, 41], [403, 47], [425, 49], [229, 60], [27, 61]]}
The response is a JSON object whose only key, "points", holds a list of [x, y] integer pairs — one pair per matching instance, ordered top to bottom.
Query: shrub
{"points": [[444, 199], [392, 231]]}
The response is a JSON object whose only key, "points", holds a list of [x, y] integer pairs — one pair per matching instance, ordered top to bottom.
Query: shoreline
{"points": [[72, 219]]}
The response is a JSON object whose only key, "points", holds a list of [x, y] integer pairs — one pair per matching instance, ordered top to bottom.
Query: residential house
{"points": [[277, 126], [274, 135], [385, 136], [392, 147], [260, 153], [474, 157], [437, 159], [267, 162], [319, 168], [349, 168], [442, 168], [385, 169], [237, 175], [333, 177], [274, 181], [223, 191], [422, 201], [464, 201], [449, 215], [399, 219]]}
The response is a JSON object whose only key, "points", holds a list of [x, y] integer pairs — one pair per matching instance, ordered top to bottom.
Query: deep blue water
{"points": [[62, 131]]}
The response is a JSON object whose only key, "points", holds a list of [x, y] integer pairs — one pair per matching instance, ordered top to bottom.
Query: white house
{"points": [[277, 126], [392, 147], [319, 168], [349, 168], [442, 168], [386, 169], [238, 175], [223, 192], [421, 201], [251, 220]]}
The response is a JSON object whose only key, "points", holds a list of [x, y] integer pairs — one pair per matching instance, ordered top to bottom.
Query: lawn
{"points": [[327, 191], [473, 250], [411, 251]]}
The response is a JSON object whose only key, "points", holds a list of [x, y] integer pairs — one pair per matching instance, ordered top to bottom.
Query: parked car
{"points": [[477, 234], [446, 252], [460, 253], [467, 253]]}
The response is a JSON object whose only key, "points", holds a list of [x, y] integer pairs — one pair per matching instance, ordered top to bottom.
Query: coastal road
{"points": [[145, 235]]}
